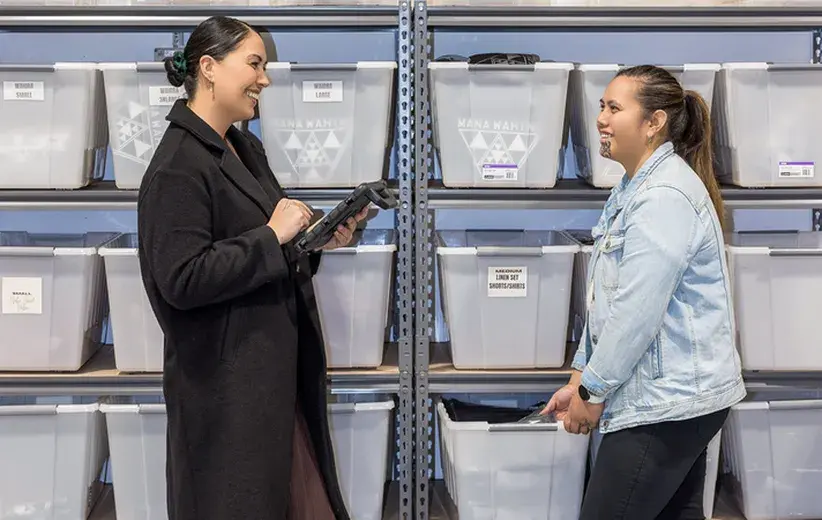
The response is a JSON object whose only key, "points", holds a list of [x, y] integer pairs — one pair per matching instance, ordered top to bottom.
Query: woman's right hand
{"points": [[289, 218], [561, 401]]}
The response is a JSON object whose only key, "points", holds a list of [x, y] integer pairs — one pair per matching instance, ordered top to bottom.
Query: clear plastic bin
{"points": [[587, 86], [138, 99], [328, 125], [498, 125], [53, 132], [776, 144], [579, 286], [353, 287], [777, 293], [506, 297], [53, 300], [138, 339], [361, 435], [773, 452], [52, 457], [512, 470]]}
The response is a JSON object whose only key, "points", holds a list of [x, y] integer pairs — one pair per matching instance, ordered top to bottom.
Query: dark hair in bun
{"points": [[216, 37]]}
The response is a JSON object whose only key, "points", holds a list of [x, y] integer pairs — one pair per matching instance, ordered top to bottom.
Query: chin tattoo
{"points": [[605, 150]]}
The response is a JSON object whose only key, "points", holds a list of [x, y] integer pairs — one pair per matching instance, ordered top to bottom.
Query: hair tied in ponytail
{"points": [[179, 61]]}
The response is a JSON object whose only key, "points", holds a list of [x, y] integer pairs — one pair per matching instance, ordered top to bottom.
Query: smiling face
{"points": [[239, 78], [626, 131]]}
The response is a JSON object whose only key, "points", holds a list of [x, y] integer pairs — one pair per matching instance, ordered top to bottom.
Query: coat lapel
{"points": [[230, 165]]}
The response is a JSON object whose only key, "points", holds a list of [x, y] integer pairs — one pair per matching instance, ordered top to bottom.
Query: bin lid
{"points": [[370, 240], [782, 240], [513, 241], [47, 244], [123, 244]]}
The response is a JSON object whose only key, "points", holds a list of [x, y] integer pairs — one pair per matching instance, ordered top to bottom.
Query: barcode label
{"points": [[24, 91], [164, 96], [796, 170], [499, 172]]}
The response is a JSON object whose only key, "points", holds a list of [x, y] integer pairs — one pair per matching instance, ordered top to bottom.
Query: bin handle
{"points": [[150, 66], [5, 67], [322, 67], [498, 67], [793, 67], [26, 251], [508, 251], [794, 252], [795, 405], [517, 427]]}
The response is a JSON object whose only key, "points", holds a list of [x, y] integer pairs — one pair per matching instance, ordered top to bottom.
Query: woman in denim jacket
{"points": [[657, 367]]}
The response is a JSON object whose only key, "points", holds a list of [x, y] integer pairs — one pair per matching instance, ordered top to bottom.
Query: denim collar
{"points": [[623, 192]]}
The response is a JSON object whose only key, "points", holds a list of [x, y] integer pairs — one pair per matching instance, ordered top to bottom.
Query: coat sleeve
{"points": [[189, 268]]}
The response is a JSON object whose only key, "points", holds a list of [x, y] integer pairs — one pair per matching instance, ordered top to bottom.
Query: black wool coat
{"points": [[243, 343]]}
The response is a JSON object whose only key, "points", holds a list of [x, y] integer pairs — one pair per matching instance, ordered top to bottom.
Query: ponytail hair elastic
{"points": [[178, 59]]}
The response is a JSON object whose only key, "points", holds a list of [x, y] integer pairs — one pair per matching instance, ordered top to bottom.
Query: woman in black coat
{"points": [[245, 372]]}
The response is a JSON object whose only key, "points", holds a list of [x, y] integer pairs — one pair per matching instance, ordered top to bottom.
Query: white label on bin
{"points": [[24, 91], [322, 91], [164, 96], [796, 170], [499, 172], [507, 282], [22, 295]]}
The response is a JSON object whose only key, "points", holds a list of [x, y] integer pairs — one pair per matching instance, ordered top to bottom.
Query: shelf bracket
{"points": [[816, 213]]}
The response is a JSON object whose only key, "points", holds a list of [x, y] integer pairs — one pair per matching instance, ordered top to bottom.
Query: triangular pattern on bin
{"points": [[138, 129], [506, 147], [313, 152]]}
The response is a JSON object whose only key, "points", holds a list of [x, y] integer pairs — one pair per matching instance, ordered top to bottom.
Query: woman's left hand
{"points": [[344, 234], [582, 417]]}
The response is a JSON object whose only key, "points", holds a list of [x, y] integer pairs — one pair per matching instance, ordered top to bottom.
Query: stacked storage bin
{"points": [[587, 86], [138, 99], [328, 125], [498, 126], [53, 133], [769, 146], [777, 294], [506, 297], [53, 300], [354, 320], [360, 434], [772, 449], [52, 456], [512, 470]]}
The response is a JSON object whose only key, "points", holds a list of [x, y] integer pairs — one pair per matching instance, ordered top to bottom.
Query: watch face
{"points": [[583, 393]]}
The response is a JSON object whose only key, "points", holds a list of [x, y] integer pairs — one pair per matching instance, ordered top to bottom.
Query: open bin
{"points": [[587, 85], [138, 99], [328, 125], [499, 126], [53, 131], [775, 145], [353, 286], [579, 286], [777, 294], [506, 297], [53, 300], [138, 339], [361, 435], [773, 450], [52, 458], [510, 469]]}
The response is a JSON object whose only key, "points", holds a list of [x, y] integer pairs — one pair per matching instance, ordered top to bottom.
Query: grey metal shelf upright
{"points": [[437, 376], [99, 377]]}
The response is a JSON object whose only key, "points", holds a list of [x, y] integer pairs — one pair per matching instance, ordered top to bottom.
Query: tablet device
{"points": [[321, 232]]}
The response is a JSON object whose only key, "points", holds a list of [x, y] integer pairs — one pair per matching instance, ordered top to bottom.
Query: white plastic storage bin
{"points": [[587, 86], [138, 99], [328, 125], [498, 125], [52, 126], [775, 145], [353, 286], [579, 286], [777, 293], [506, 297], [53, 300], [138, 339], [360, 433], [773, 452], [52, 457], [711, 469], [521, 471]]}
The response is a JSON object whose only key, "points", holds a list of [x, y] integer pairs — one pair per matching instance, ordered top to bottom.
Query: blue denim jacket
{"points": [[659, 339]]}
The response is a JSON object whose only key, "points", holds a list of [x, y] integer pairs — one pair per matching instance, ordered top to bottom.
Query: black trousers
{"points": [[654, 472]]}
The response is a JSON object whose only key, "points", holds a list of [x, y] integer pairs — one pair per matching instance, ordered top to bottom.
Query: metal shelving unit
{"points": [[434, 372], [98, 376]]}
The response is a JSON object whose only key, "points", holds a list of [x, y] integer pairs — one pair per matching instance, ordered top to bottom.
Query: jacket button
{"points": [[298, 268]]}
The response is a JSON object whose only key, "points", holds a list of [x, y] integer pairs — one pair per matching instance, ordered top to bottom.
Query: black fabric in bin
{"points": [[460, 411]]}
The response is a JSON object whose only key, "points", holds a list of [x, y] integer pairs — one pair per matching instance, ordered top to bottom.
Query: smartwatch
{"points": [[586, 396]]}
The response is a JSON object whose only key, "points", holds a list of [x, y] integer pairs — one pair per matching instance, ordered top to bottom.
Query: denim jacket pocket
{"points": [[610, 256], [655, 355]]}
